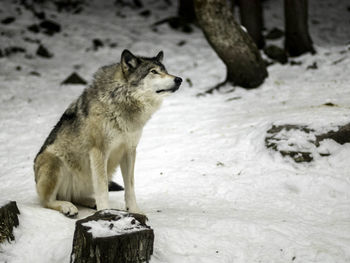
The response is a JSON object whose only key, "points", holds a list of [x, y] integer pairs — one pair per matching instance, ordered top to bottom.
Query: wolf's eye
{"points": [[154, 71]]}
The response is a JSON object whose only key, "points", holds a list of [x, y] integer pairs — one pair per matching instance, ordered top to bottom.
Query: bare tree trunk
{"points": [[232, 5], [186, 10], [252, 19], [298, 40], [245, 66]]}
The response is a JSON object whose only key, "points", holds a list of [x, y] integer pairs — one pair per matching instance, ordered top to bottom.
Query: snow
{"points": [[210, 188], [104, 228]]}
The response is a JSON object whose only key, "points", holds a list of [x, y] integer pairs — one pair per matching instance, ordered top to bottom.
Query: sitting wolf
{"points": [[98, 132]]}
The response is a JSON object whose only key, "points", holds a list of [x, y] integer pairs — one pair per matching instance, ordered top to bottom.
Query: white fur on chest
{"points": [[124, 139]]}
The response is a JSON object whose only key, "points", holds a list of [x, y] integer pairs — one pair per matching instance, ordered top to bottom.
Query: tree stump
{"points": [[8, 219], [112, 236]]}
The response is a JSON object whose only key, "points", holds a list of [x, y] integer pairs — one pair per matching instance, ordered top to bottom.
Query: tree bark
{"points": [[251, 15], [298, 40], [245, 66], [8, 219], [133, 245]]}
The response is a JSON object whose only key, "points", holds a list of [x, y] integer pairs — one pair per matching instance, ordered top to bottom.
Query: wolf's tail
{"points": [[113, 187]]}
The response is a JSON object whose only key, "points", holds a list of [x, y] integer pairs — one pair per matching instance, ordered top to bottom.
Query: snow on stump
{"points": [[8, 219], [112, 236]]}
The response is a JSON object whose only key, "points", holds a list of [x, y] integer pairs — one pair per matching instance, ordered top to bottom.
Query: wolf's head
{"points": [[148, 75]]}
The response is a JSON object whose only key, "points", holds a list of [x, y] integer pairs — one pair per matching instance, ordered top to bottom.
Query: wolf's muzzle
{"points": [[177, 81], [177, 84]]}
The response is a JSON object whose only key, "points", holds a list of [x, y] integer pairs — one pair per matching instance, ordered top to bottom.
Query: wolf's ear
{"points": [[160, 56], [128, 60]]}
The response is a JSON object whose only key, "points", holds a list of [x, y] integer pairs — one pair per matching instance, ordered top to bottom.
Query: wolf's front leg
{"points": [[127, 165], [99, 178]]}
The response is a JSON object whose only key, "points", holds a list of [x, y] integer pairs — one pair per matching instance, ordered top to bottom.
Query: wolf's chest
{"points": [[124, 140], [118, 147]]}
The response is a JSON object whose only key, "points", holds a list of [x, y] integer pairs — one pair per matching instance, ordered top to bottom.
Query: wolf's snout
{"points": [[178, 81]]}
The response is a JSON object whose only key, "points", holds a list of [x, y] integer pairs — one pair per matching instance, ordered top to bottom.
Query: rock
{"points": [[138, 3], [72, 6], [78, 10], [145, 13], [40, 15], [8, 20], [176, 23], [50, 27], [34, 28], [274, 33], [31, 40], [97, 43], [181, 43], [13, 50], [42, 51], [276, 53], [269, 62], [295, 63], [312, 66], [35, 73], [74, 79], [330, 104], [276, 136], [341, 136], [279, 140], [8, 220], [112, 236]]}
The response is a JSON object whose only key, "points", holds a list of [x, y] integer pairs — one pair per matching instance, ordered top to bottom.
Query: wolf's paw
{"points": [[87, 202], [68, 209], [135, 210]]}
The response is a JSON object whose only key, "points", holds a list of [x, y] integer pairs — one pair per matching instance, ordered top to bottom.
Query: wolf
{"points": [[100, 131]]}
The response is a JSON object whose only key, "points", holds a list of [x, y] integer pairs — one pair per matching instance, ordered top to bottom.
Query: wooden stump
{"points": [[8, 219], [112, 236]]}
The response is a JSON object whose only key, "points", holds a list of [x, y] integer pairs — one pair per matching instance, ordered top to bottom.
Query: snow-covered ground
{"points": [[210, 188]]}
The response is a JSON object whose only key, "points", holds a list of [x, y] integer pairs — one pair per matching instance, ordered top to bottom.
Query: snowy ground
{"points": [[212, 191]]}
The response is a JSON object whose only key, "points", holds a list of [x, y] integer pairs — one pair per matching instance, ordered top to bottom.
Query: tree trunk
{"points": [[186, 11], [252, 19], [298, 40], [245, 66], [8, 219], [112, 236]]}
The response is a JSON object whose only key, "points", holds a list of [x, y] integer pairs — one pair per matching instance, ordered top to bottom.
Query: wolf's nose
{"points": [[178, 80]]}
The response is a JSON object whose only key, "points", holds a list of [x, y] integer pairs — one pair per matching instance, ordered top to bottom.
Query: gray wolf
{"points": [[99, 132]]}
